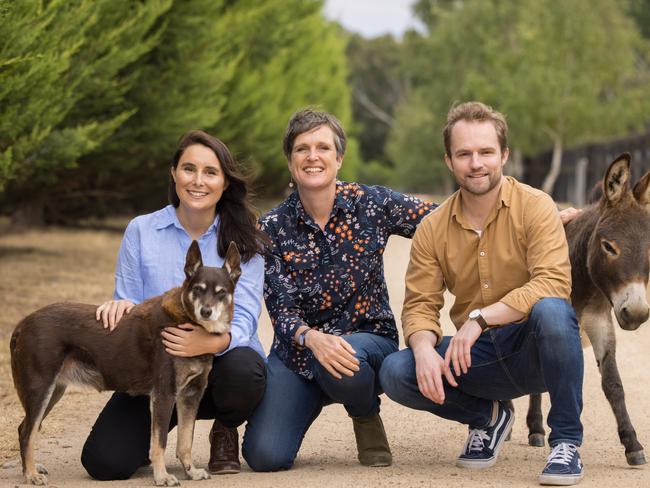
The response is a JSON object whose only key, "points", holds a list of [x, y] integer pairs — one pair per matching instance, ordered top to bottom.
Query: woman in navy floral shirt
{"points": [[326, 294]]}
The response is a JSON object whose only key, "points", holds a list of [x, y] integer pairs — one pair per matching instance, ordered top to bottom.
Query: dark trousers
{"points": [[540, 354], [119, 441]]}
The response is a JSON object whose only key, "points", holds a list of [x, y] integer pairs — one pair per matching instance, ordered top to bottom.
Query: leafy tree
{"points": [[282, 70], [563, 72], [133, 76], [61, 83], [378, 85]]}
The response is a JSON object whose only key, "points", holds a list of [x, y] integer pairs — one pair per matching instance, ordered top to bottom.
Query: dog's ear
{"points": [[193, 260], [232, 262]]}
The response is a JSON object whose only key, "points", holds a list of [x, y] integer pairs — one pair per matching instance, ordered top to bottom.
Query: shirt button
{"points": [[482, 253], [485, 285]]}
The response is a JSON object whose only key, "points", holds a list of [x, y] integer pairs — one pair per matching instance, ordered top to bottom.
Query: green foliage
{"points": [[281, 71], [564, 72], [378, 85], [60, 89], [95, 94]]}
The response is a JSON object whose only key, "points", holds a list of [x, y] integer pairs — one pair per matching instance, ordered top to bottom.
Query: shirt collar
{"points": [[342, 201], [168, 217]]}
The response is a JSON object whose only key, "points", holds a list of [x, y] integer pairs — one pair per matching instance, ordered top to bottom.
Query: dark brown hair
{"points": [[475, 112], [308, 119], [238, 222]]}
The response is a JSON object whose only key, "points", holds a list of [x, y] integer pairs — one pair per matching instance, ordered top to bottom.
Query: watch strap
{"points": [[481, 321], [301, 337]]}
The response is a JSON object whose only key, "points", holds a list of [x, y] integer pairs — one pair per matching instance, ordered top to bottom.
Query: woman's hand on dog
{"points": [[112, 311], [187, 340]]}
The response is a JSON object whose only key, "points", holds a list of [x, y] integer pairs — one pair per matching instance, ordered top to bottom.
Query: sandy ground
{"points": [[424, 447]]}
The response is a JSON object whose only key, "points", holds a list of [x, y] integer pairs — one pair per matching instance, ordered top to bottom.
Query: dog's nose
{"points": [[206, 312]]}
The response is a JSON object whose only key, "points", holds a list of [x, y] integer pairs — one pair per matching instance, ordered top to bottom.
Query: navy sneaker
{"points": [[483, 445], [563, 466]]}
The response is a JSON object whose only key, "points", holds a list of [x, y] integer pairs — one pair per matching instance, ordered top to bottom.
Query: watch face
{"points": [[474, 314]]}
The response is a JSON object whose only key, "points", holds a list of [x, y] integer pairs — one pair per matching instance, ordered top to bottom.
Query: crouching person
{"points": [[499, 247], [326, 295]]}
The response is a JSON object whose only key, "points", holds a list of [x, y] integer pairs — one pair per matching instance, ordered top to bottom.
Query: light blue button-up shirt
{"points": [[152, 260]]}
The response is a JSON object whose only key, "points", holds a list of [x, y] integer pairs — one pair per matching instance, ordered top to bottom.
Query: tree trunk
{"points": [[556, 166]]}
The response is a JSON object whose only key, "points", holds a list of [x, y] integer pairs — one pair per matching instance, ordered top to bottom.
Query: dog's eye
{"points": [[198, 288], [221, 293]]}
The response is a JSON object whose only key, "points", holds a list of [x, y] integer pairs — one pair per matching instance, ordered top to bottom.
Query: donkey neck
{"points": [[579, 233]]}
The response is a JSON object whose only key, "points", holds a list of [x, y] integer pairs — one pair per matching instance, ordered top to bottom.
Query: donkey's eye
{"points": [[609, 248]]}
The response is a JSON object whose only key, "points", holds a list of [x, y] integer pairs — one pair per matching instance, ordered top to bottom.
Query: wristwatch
{"points": [[478, 317], [302, 336]]}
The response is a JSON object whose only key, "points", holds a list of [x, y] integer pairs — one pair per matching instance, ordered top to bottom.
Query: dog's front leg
{"points": [[187, 406], [161, 412]]}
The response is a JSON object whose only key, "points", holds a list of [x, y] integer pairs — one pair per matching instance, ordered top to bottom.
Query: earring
{"points": [[291, 184]]}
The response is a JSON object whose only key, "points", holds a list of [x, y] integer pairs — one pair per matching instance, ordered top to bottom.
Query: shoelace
{"points": [[475, 441], [562, 454]]}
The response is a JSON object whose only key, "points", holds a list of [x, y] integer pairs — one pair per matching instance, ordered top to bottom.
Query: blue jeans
{"points": [[538, 355], [291, 403]]}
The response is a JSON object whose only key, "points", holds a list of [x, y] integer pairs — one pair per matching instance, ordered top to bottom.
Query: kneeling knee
{"points": [[555, 316], [266, 458], [105, 467]]}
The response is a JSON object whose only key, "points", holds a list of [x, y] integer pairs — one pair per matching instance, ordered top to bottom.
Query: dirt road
{"points": [[424, 447]]}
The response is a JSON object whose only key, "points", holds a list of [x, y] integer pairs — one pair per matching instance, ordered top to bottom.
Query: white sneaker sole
{"points": [[486, 463], [560, 479]]}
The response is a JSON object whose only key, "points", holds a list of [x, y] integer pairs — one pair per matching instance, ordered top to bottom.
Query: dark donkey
{"points": [[608, 246]]}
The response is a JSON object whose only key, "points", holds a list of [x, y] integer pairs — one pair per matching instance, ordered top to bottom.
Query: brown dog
{"points": [[63, 343]]}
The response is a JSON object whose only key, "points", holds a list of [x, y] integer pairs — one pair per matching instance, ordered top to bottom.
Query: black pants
{"points": [[119, 441]]}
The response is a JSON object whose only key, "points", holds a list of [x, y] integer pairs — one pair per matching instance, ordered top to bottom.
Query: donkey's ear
{"points": [[616, 178], [642, 191], [193, 260], [232, 262]]}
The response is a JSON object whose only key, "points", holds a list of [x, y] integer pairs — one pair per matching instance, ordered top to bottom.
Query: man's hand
{"points": [[568, 214], [111, 312], [187, 340], [459, 350], [333, 353], [430, 367]]}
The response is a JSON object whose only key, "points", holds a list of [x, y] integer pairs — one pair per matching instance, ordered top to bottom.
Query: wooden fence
{"points": [[583, 166]]}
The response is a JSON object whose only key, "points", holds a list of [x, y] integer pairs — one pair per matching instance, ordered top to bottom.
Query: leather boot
{"points": [[372, 445], [224, 450]]}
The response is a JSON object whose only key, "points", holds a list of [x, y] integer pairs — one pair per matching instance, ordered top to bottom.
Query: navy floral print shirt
{"points": [[333, 279]]}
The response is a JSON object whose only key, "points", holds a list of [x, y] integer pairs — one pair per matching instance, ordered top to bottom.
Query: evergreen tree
{"points": [[62, 85]]}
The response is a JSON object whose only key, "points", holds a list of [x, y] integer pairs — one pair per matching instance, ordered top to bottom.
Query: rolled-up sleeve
{"points": [[547, 257], [425, 286], [248, 303]]}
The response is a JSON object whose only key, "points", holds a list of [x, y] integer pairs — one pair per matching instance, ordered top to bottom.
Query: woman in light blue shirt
{"points": [[209, 203]]}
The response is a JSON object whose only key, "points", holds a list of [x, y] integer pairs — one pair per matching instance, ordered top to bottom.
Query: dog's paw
{"points": [[40, 468], [196, 474], [36, 479], [167, 480]]}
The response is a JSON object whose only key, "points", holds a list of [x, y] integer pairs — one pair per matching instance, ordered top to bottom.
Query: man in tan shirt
{"points": [[497, 245]]}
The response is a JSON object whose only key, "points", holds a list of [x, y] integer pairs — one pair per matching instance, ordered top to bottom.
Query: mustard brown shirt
{"points": [[520, 257]]}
